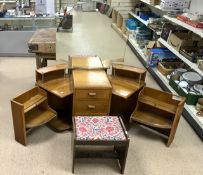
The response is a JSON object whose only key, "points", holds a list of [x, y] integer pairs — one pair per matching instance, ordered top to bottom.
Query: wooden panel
{"points": [[85, 62], [96, 79], [124, 87], [92, 94], [91, 107], [152, 119], [18, 122]]}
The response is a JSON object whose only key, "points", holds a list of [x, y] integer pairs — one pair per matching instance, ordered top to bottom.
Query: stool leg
{"points": [[122, 152], [73, 154]]}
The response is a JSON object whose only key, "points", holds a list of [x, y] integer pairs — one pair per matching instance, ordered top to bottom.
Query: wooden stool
{"points": [[104, 131]]}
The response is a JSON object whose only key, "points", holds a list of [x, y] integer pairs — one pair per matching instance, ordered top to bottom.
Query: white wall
{"points": [[196, 6]]}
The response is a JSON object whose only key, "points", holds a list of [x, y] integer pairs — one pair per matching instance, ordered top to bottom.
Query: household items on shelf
{"points": [[152, 2], [175, 4], [3, 10], [144, 12], [193, 19], [131, 23], [156, 24], [168, 28], [185, 42], [192, 53], [160, 54], [200, 64], [166, 68], [187, 84], [199, 107], [30, 110], [159, 110]]}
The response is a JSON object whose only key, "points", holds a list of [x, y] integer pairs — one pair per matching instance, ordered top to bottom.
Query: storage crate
{"points": [[191, 99]]}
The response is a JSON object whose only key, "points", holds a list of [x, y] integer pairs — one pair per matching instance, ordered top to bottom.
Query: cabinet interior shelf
{"points": [[33, 102], [158, 104], [38, 116], [152, 119]]}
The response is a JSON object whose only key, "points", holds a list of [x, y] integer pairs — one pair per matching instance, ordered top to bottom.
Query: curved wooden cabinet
{"points": [[30, 110], [159, 110]]}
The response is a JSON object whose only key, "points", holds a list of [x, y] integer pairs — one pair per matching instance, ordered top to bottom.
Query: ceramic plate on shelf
{"points": [[192, 77], [198, 88]]}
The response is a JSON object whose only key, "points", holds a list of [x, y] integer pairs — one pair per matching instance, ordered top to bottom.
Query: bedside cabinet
{"points": [[92, 93]]}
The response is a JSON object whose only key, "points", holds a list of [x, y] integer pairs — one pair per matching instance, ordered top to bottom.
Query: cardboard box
{"points": [[154, 2], [114, 16], [121, 19], [178, 40], [150, 45], [160, 54]]}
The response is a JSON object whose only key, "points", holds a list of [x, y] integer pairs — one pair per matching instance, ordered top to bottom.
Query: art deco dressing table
{"points": [[83, 88]]}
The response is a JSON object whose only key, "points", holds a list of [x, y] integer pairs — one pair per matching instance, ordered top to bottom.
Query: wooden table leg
{"points": [[38, 61]]}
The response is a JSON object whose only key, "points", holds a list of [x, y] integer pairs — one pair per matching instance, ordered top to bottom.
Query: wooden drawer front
{"points": [[92, 94], [91, 107]]}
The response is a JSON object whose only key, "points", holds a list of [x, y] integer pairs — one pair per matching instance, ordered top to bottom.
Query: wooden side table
{"points": [[43, 44], [107, 132]]}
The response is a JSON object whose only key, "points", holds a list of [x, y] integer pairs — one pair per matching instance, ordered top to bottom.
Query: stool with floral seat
{"points": [[100, 137]]}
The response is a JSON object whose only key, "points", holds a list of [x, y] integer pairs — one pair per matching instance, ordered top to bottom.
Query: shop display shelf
{"points": [[155, 6], [138, 18], [146, 23], [182, 24], [136, 47], [194, 66], [190, 108], [189, 111]]}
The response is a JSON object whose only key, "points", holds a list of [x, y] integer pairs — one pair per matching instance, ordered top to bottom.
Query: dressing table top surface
{"points": [[90, 79]]}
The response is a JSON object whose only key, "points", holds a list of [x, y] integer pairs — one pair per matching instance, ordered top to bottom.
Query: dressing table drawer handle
{"points": [[92, 93], [91, 106]]}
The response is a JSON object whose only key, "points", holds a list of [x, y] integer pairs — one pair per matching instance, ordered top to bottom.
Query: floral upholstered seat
{"points": [[99, 128]]}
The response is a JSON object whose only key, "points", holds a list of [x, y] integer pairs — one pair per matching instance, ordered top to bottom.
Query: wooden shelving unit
{"points": [[30, 110], [159, 110]]}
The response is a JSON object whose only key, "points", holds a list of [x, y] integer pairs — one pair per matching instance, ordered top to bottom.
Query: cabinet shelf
{"points": [[33, 102], [158, 104], [30, 110], [38, 116], [152, 119]]}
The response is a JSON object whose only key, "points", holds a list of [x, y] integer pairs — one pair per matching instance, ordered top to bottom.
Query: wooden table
{"points": [[43, 44]]}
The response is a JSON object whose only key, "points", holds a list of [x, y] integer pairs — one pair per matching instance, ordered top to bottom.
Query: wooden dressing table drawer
{"points": [[92, 94], [87, 107]]}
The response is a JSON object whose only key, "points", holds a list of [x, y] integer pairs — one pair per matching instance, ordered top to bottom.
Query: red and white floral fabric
{"points": [[99, 128]]}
